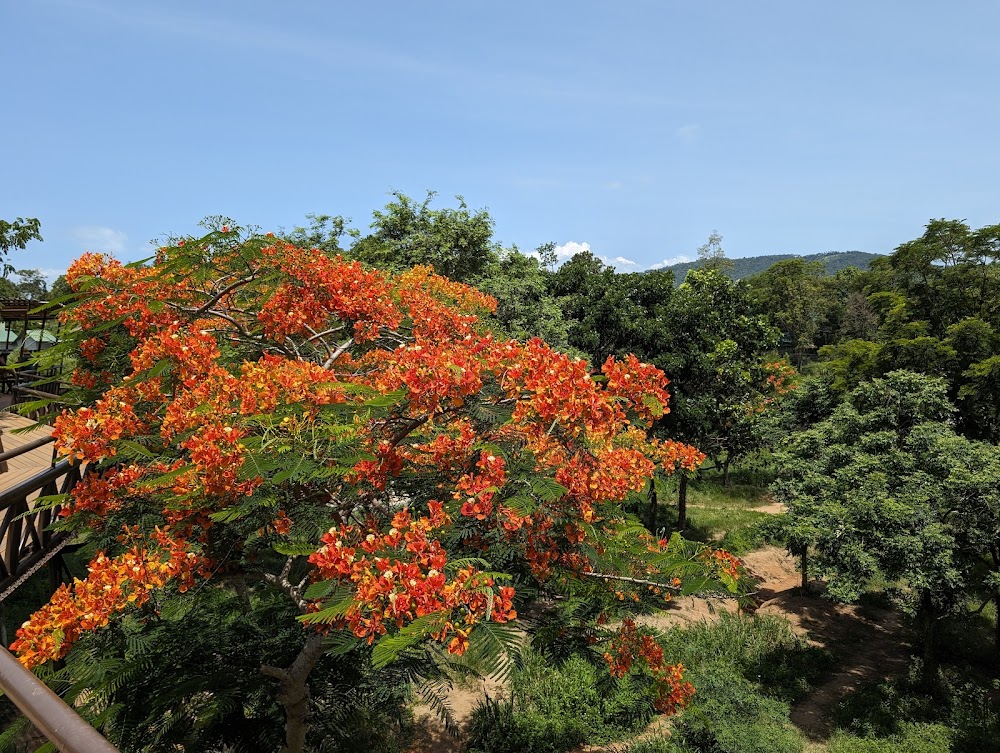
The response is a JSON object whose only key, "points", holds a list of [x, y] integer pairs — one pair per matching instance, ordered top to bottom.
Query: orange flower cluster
{"points": [[319, 290], [225, 333], [779, 377], [90, 433], [478, 488], [100, 494], [722, 564], [401, 575], [111, 585], [628, 646]]}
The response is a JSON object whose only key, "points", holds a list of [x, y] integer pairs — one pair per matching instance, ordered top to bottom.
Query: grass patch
{"points": [[723, 516], [746, 671], [555, 708], [912, 738]]}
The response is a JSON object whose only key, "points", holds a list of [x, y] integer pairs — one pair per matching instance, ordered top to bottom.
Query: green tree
{"points": [[324, 232], [17, 235], [457, 243], [711, 255], [31, 283], [59, 288], [795, 297], [932, 306], [525, 307], [611, 313], [886, 493]]}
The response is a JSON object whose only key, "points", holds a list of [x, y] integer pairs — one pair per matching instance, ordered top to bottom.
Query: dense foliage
{"points": [[269, 419], [334, 467], [886, 493]]}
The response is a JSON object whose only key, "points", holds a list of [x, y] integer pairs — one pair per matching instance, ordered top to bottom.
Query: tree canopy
{"points": [[284, 423], [888, 494]]}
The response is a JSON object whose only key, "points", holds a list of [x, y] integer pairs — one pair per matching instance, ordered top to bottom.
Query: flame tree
{"points": [[359, 442]]}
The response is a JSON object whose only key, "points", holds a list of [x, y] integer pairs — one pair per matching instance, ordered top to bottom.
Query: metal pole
{"points": [[48, 712]]}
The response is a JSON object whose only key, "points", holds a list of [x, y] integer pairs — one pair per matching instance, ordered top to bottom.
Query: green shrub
{"points": [[763, 648], [745, 671], [884, 710], [729, 715], [655, 745]]}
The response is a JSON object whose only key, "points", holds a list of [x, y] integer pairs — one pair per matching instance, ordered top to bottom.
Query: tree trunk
{"points": [[725, 470], [682, 503], [653, 506], [805, 567], [927, 622], [996, 624], [293, 692]]}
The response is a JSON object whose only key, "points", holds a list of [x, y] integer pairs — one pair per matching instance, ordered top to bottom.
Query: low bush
{"points": [[762, 648], [745, 671], [885, 710], [730, 715]]}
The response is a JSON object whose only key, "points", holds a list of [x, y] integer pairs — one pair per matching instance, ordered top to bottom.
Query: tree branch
{"points": [[221, 294], [341, 349], [637, 581], [284, 585]]}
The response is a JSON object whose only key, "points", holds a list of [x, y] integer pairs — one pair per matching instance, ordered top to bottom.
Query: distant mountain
{"points": [[834, 261]]}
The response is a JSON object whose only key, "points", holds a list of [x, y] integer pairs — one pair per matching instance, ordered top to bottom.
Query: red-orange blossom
{"points": [[241, 348]]}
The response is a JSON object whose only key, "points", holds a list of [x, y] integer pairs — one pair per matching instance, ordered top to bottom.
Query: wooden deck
{"points": [[27, 465]]}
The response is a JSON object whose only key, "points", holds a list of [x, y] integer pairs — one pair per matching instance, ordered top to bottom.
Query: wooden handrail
{"points": [[25, 448], [36, 482]]}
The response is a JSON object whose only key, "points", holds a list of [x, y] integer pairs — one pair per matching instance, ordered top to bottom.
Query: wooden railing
{"points": [[25, 528], [27, 544]]}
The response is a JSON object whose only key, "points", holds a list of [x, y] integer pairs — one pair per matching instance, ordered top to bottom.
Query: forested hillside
{"points": [[832, 261], [406, 489]]}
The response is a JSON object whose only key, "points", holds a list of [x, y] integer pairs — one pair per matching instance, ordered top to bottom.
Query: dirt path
{"points": [[865, 642]]}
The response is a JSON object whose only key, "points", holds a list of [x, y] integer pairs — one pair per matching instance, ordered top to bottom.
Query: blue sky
{"points": [[634, 127]]}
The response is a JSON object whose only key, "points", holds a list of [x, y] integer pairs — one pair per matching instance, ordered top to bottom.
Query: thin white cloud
{"points": [[688, 133], [615, 185], [102, 239], [622, 261], [670, 262], [51, 274]]}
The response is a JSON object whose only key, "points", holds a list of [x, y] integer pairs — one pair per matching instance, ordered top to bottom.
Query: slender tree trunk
{"points": [[725, 470], [682, 503], [653, 506], [805, 567], [927, 622], [996, 624], [293, 692]]}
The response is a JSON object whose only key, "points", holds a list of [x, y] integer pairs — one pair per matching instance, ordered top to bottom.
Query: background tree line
{"points": [[884, 453]]}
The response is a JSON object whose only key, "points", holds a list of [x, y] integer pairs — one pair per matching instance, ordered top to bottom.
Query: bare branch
{"points": [[221, 294], [341, 349], [637, 581]]}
